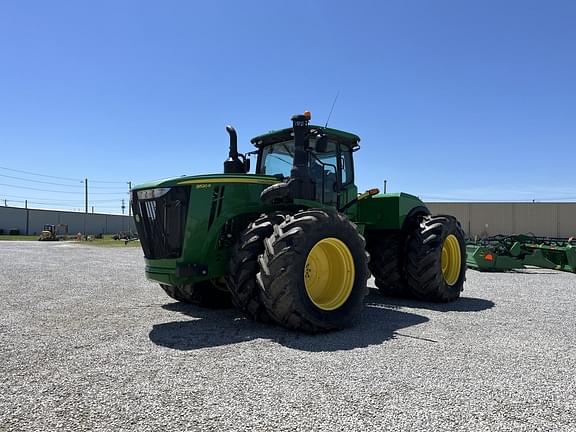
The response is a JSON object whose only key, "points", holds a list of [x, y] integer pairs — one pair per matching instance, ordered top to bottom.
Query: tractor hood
{"points": [[201, 180], [196, 219]]}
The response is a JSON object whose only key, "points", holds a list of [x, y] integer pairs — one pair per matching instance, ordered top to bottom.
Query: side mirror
{"points": [[321, 144], [246, 164]]}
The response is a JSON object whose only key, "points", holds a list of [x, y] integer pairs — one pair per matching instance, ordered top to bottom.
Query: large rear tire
{"points": [[436, 259], [386, 263], [313, 272], [241, 280], [205, 294]]}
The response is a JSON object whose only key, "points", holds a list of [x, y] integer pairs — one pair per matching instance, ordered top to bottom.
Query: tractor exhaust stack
{"points": [[233, 165]]}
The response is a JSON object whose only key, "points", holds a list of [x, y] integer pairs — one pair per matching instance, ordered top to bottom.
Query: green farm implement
{"points": [[295, 242], [503, 253]]}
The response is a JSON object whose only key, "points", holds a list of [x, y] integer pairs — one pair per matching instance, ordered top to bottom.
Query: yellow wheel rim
{"points": [[451, 259], [329, 273]]}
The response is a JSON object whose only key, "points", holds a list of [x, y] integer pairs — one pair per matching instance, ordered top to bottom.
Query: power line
{"points": [[40, 175], [59, 178], [40, 181], [106, 181], [60, 184], [103, 187], [107, 187], [37, 189], [66, 192], [34, 198], [59, 201], [46, 203], [55, 206]]}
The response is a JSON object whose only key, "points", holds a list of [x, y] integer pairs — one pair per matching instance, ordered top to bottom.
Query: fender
{"points": [[389, 211]]}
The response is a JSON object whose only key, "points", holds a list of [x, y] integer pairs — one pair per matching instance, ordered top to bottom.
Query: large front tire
{"points": [[436, 259], [313, 272], [241, 279]]}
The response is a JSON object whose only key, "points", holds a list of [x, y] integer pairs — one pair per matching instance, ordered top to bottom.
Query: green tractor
{"points": [[294, 243]]}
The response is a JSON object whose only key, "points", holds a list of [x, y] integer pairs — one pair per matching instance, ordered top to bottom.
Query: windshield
{"points": [[277, 159]]}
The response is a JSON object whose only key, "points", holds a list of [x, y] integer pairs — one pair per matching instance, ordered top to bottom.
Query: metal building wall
{"points": [[12, 218], [485, 219], [32, 221]]}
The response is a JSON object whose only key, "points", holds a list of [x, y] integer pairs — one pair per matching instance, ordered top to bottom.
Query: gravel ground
{"points": [[86, 343]]}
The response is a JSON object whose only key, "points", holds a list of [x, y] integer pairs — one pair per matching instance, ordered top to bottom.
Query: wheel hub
{"points": [[451, 261], [329, 273]]}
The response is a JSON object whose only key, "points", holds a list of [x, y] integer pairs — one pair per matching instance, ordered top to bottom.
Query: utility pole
{"points": [[385, 181], [86, 195], [129, 198], [25, 204], [123, 206], [92, 209], [27, 218]]}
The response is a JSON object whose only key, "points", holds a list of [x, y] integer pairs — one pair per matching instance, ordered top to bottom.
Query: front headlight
{"points": [[147, 194]]}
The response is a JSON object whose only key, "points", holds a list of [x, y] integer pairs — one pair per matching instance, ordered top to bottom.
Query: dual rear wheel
{"points": [[427, 261]]}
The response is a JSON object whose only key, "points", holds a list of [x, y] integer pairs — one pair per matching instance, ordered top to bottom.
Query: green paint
{"points": [[386, 211]]}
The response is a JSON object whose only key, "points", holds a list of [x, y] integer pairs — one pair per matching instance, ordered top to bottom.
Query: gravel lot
{"points": [[86, 343]]}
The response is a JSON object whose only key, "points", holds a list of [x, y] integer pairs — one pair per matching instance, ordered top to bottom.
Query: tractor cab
{"points": [[326, 161]]}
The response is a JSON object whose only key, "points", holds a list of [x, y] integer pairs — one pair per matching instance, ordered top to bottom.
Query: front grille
{"points": [[161, 222]]}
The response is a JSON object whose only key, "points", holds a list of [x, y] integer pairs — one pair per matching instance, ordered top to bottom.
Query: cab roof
{"points": [[336, 135]]}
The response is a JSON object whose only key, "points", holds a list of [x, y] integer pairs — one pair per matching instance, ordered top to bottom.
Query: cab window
{"points": [[277, 159], [329, 160], [347, 173]]}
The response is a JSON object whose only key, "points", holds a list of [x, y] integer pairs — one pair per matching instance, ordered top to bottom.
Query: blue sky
{"points": [[453, 100]]}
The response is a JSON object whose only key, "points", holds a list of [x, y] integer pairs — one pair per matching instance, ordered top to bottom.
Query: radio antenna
{"points": [[332, 109]]}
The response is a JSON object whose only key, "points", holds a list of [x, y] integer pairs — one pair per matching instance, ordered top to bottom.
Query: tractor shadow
{"points": [[527, 270], [537, 271], [463, 304], [211, 328]]}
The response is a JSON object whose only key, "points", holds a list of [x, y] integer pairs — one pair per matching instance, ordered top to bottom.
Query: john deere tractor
{"points": [[294, 243]]}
